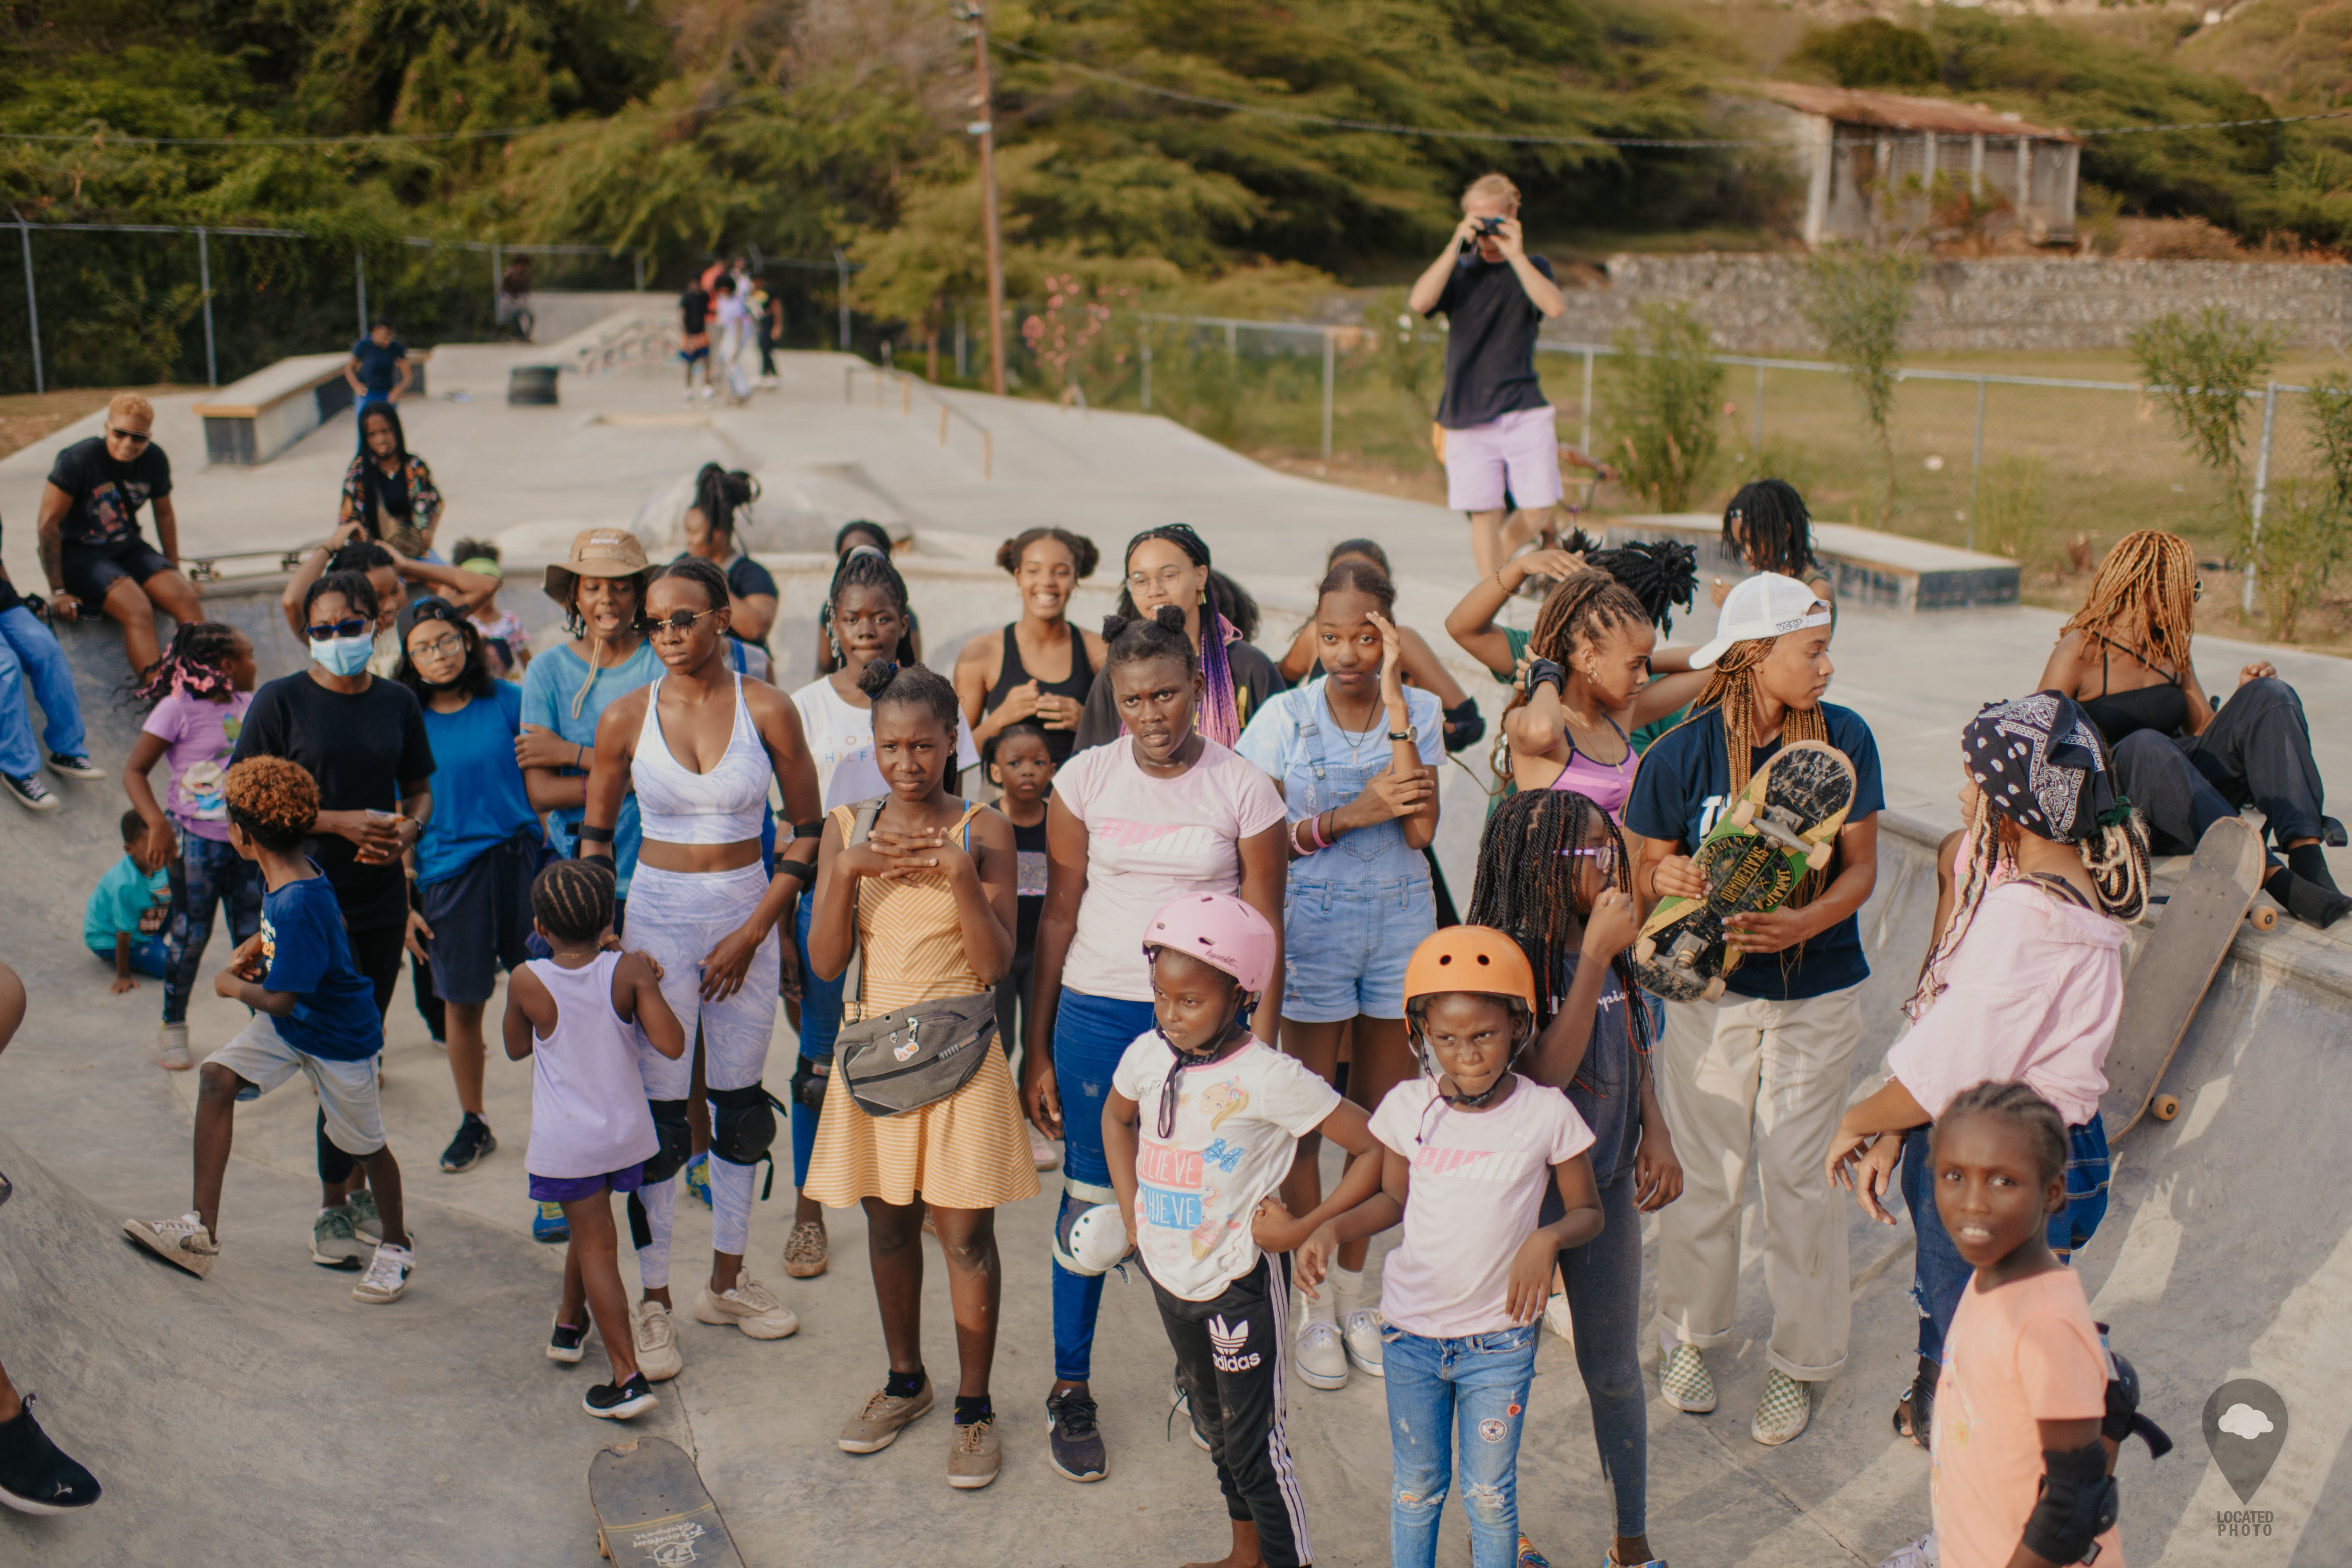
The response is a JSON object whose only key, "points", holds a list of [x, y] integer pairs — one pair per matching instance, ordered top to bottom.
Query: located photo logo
{"points": [[2245, 1427]]}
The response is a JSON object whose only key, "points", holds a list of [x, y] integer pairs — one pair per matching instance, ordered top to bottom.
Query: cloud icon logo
{"points": [[2245, 1421]]}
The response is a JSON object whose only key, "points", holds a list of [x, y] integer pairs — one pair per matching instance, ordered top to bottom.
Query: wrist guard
{"points": [[1544, 672], [1465, 725], [587, 833], [2078, 1501]]}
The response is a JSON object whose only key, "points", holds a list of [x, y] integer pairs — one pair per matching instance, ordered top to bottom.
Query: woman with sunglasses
{"points": [[1169, 565], [363, 740], [699, 749], [2184, 761], [475, 861]]}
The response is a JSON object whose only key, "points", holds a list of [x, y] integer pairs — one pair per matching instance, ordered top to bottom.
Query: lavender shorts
{"points": [[1519, 452], [580, 1189]]}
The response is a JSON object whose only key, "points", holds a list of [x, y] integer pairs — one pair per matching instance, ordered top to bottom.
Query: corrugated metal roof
{"points": [[1898, 113]]}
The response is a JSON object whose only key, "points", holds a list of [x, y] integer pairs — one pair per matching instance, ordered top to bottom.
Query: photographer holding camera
{"points": [[1497, 437]]}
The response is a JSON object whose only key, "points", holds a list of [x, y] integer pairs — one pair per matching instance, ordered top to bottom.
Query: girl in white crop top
{"points": [[677, 806]]}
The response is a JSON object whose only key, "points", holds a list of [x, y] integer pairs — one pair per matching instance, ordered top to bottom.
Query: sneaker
{"points": [[709, 392], [67, 766], [29, 792], [172, 1049], [474, 1140], [1042, 1153], [697, 1177], [366, 1223], [549, 1225], [183, 1241], [334, 1241], [806, 1252], [388, 1275], [749, 1306], [1556, 1316], [1360, 1336], [567, 1344], [657, 1352], [1322, 1352], [1683, 1379], [619, 1402], [1181, 1404], [1784, 1411], [876, 1425], [1073, 1440], [975, 1456], [36, 1476], [1919, 1553], [1528, 1557]]}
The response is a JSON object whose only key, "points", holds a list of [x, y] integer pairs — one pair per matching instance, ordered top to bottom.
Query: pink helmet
{"points": [[1220, 930]]}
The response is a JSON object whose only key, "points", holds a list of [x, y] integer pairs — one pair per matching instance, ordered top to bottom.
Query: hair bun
{"points": [[1170, 617], [1113, 625], [875, 678]]}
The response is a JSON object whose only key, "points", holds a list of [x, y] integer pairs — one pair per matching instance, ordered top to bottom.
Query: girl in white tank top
{"points": [[724, 806]]}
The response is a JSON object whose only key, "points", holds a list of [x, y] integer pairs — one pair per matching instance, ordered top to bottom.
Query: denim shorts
{"points": [[1345, 947]]}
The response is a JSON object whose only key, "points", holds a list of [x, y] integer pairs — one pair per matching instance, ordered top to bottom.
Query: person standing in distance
{"points": [[378, 370], [1497, 430], [92, 551]]}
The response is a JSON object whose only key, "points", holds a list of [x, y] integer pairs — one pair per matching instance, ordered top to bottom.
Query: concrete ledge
{"points": [[255, 417], [1865, 566]]}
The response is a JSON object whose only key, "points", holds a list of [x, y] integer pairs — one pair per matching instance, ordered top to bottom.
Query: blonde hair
{"points": [[1490, 185], [130, 406], [2150, 577]]}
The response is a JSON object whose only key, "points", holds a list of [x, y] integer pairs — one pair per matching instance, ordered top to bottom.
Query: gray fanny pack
{"points": [[914, 1056]]}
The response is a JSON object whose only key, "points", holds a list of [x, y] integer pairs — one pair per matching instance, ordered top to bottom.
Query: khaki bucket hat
{"points": [[596, 552]]}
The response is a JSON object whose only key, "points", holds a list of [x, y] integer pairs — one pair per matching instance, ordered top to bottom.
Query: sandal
{"points": [[1914, 1413]]}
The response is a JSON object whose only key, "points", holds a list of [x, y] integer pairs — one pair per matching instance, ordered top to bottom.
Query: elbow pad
{"points": [[1465, 725], [2123, 1421], [2078, 1501]]}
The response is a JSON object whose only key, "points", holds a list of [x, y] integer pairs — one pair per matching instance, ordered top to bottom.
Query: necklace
{"points": [[1355, 737]]}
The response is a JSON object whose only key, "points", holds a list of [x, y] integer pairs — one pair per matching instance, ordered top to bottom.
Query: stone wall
{"points": [[1751, 301]]}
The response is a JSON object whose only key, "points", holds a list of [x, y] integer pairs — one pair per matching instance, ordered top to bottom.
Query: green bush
{"points": [[1872, 52], [1858, 300], [2201, 368], [1664, 417]]}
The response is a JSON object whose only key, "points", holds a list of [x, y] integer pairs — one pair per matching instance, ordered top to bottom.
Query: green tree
{"points": [[1872, 52], [1858, 299], [2201, 368], [1664, 417]]}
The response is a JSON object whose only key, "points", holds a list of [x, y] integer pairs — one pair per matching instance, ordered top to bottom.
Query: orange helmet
{"points": [[1470, 957]]}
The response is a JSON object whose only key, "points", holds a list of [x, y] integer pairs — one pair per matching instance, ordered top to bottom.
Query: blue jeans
{"points": [[26, 647], [208, 875], [150, 955], [820, 1022], [1090, 1033], [1938, 1273], [1603, 1278], [1443, 1393]]}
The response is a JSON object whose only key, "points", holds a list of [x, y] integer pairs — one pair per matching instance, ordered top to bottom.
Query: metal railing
{"points": [[907, 386]]}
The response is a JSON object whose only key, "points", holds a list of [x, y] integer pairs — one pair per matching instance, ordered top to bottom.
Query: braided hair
{"points": [[371, 475], [719, 492], [1766, 524], [860, 527], [1369, 548], [1083, 553], [361, 555], [867, 567], [704, 574], [1354, 574], [1660, 574], [2147, 585], [1224, 604], [1584, 607], [1160, 635], [197, 665], [911, 686], [273, 801], [1527, 887], [573, 900], [2016, 1102]]}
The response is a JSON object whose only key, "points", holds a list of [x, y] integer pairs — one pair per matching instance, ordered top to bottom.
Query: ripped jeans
{"points": [[1470, 1394]]}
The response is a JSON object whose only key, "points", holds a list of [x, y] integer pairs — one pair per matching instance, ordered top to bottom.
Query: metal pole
{"points": [[985, 128], [640, 259], [841, 271], [359, 273], [497, 274], [205, 277], [32, 306], [1328, 338], [1233, 340], [963, 360], [1147, 375], [1760, 420], [1584, 442], [1975, 465], [2261, 490]]}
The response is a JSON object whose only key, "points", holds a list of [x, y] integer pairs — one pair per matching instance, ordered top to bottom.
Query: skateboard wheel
{"points": [[1743, 813], [1816, 858], [2261, 917], [1644, 950], [1714, 990], [2165, 1107], [602, 1549]]}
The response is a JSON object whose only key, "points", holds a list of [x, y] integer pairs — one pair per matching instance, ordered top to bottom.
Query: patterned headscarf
{"points": [[2042, 764]]}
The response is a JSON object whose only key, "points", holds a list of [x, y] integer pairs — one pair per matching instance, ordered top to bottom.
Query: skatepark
{"points": [[261, 1416]]}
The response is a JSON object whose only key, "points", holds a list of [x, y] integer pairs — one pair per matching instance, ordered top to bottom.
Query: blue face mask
{"points": [[342, 655]]}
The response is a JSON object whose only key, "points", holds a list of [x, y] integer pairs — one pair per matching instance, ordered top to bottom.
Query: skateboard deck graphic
{"points": [[1783, 824], [2170, 976], [652, 1509]]}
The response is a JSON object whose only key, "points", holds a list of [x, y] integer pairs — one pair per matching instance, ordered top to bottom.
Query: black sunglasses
{"points": [[136, 438], [680, 622], [350, 628]]}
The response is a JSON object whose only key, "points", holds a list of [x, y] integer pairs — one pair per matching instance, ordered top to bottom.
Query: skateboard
{"points": [[1784, 824], [2170, 976], [653, 1508]]}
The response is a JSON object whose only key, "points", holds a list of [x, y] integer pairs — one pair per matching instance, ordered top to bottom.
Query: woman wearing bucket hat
{"points": [[1767, 1065]]}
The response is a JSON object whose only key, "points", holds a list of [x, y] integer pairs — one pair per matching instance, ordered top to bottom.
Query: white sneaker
{"points": [[172, 1048], [183, 1241], [387, 1276], [749, 1306], [1556, 1316], [1361, 1336], [658, 1352], [1322, 1352], [1919, 1553]]}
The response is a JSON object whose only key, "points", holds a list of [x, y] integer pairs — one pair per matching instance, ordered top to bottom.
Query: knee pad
{"points": [[743, 1123], [676, 1140], [1077, 1199], [2078, 1501]]}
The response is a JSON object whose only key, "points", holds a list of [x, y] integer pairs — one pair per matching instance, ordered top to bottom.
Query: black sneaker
{"points": [[67, 766], [29, 792], [474, 1140], [567, 1344], [618, 1403], [1073, 1440], [35, 1476]]}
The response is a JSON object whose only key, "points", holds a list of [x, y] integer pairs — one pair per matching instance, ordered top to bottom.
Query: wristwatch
{"points": [[1410, 733]]}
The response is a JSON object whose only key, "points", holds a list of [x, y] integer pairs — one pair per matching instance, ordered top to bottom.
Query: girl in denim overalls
{"points": [[1355, 756]]}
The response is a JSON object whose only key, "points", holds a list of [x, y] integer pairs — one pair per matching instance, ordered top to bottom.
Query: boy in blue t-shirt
{"points": [[125, 919], [313, 1013], [1767, 1064]]}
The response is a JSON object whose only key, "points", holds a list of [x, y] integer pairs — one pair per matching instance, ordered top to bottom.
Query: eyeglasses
{"points": [[136, 438], [1167, 577], [682, 622], [357, 625], [447, 647], [1602, 855]]}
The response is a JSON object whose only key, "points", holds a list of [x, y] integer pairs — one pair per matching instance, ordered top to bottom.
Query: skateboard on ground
{"points": [[1784, 824], [2170, 976], [653, 1508]]}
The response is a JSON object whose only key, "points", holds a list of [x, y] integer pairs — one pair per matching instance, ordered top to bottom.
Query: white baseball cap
{"points": [[1765, 606]]}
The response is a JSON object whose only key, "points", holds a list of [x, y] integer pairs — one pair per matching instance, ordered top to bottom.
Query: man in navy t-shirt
{"points": [[378, 369], [1767, 1064]]}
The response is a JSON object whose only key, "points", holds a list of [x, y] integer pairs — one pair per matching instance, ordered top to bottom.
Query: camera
{"points": [[1490, 226]]}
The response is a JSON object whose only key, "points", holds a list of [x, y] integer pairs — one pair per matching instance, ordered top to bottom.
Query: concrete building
{"points": [[1870, 159]]}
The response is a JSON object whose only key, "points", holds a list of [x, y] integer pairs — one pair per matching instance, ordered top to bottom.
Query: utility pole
{"points": [[984, 128]]}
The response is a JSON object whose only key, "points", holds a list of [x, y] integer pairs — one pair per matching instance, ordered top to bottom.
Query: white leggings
{"points": [[677, 918]]}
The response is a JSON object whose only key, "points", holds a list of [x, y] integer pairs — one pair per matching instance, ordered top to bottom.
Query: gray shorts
{"points": [[347, 1091]]}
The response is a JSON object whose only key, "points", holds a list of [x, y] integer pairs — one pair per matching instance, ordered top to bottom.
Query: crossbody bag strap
{"points": [[853, 979]]}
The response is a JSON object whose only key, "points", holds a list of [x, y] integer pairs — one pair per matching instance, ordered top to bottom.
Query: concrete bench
{"points": [[253, 419], [1864, 566]]}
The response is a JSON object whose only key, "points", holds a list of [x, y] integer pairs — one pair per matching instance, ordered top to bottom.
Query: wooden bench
{"points": [[252, 420], [1864, 566]]}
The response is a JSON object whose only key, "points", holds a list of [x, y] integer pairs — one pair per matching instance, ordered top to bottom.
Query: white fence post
{"points": [[205, 279], [32, 306], [1329, 337], [1584, 442], [1975, 467], [2261, 492]]}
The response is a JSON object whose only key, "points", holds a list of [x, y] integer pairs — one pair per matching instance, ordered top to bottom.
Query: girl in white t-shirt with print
{"points": [[1201, 1123]]}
